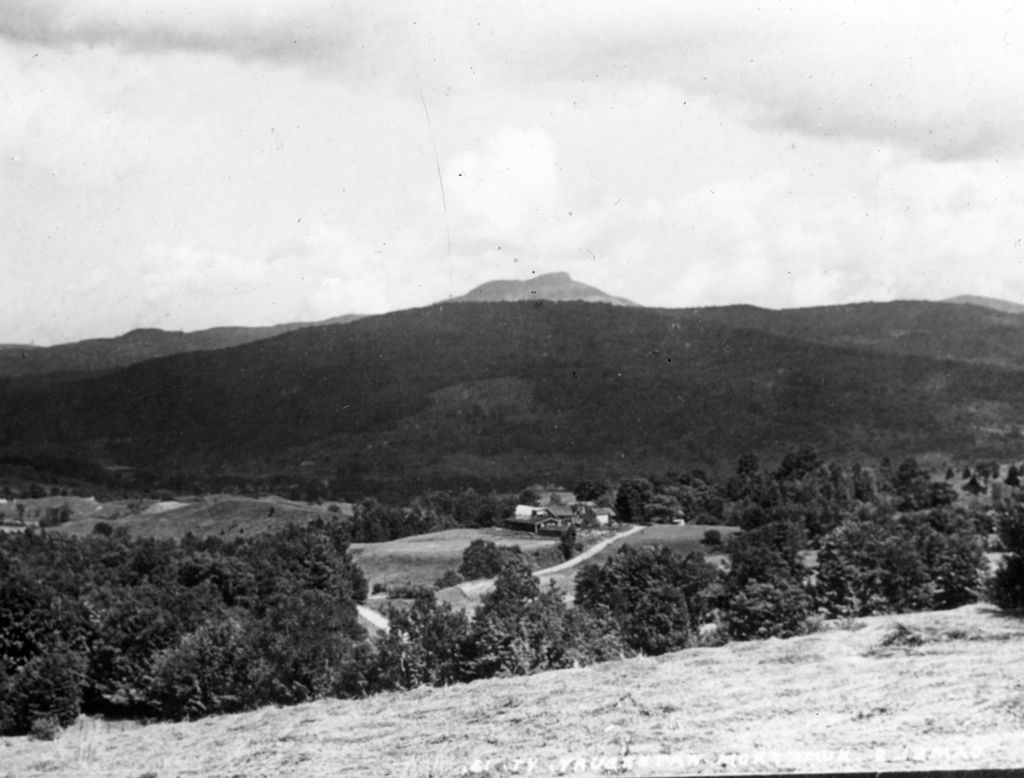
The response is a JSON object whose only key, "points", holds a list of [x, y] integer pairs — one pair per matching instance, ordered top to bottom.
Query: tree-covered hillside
{"points": [[517, 392]]}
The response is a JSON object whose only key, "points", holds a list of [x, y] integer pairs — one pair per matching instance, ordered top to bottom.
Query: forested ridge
{"points": [[494, 395]]}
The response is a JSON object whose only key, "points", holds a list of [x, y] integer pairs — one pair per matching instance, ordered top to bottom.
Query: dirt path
{"points": [[594, 550], [476, 589], [466, 595], [373, 618]]}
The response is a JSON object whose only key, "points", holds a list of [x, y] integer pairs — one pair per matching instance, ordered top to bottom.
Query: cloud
{"points": [[299, 29], [937, 77], [266, 160], [501, 189]]}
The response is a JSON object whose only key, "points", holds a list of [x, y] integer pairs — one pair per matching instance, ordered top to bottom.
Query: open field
{"points": [[33, 509], [224, 516], [682, 539], [422, 559], [926, 690]]}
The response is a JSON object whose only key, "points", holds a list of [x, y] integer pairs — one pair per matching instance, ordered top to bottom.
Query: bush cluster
{"points": [[139, 627]]}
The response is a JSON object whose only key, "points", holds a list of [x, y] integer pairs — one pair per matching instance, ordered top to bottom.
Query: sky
{"points": [[205, 163]]}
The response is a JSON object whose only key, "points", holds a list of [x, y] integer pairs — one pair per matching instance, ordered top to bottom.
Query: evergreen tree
{"points": [[1012, 476], [632, 496]]}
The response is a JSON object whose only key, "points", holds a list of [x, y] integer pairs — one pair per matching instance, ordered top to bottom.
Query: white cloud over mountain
{"points": [[201, 163]]}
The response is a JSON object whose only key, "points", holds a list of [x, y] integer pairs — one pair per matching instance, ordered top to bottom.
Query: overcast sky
{"points": [[210, 162]]}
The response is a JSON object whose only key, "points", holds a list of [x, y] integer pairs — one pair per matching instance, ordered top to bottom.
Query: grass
{"points": [[224, 516], [680, 538], [420, 560], [952, 701]]}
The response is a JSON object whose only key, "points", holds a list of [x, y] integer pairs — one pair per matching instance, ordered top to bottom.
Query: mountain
{"points": [[550, 286], [1004, 306], [912, 328], [136, 346], [514, 393]]}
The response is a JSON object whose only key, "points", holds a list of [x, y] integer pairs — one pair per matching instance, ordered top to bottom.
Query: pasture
{"points": [[224, 516], [681, 539], [420, 560]]}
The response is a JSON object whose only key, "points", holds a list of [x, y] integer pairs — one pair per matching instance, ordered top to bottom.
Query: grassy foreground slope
{"points": [[938, 690]]}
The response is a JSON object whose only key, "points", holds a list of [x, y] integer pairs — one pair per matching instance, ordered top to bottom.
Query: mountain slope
{"points": [[550, 287], [1004, 306], [914, 328], [135, 346], [515, 393], [865, 698]]}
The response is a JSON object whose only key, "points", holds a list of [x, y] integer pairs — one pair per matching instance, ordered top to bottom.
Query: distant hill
{"points": [[550, 286], [1004, 306], [914, 328], [136, 346], [514, 393]]}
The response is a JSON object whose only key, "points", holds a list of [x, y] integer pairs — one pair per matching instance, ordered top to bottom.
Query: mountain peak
{"points": [[548, 286]]}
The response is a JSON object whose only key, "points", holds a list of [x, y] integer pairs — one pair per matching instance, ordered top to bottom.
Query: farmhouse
{"points": [[563, 513], [601, 515], [540, 520]]}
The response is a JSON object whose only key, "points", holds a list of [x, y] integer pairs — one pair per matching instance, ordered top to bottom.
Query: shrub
{"points": [[632, 495], [712, 537], [567, 542], [767, 553], [485, 559], [899, 563], [450, 578], [1006, 588], [409, 592], [655, 596], [762, 610], [520, 629], [425, 645], [207, 672], [48, 687], [44, 728]]}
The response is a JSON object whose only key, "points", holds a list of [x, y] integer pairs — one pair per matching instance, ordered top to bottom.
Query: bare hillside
{"points": [[924, 690]]}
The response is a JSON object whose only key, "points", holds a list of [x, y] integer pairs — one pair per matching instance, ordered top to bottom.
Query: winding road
{"points": [[478, 588]]}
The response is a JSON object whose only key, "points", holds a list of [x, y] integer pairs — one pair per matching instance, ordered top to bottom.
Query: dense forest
{"points": [[495, 395], [112, 625]]}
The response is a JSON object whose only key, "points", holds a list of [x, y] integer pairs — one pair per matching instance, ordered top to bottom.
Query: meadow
{"points": [[419, 560]]}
